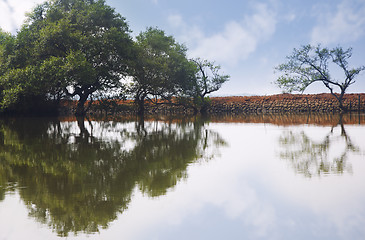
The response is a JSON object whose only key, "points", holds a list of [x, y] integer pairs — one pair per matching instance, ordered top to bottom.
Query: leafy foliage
{"points": [[77, 46], [82, 48], [310, 64], [160, 67], [207, 80]]}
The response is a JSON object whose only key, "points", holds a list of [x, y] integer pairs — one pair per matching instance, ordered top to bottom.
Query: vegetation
{"points": [[66, 48], [81, 48], [310, 64], [160, 68], [207, 80]]}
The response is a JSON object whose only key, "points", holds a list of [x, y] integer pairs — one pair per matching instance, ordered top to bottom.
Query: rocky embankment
{"points": [[281, 103], [286, 103]]}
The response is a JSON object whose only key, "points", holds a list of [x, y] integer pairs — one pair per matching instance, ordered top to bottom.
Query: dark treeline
{"points": [[82, 49]]}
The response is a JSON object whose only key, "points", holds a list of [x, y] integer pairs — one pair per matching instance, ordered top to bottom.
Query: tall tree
{"points": [[84, 43], [310, 64], [160, 67]]}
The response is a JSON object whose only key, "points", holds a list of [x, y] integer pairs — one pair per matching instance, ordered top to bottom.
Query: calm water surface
{"points": [[243, 177]]}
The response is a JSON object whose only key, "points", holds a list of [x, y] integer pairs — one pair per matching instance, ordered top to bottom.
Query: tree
{"points": [[84, 43], [310, 64], [160, 66], [207, 80], [26, 84], [32, 88]]}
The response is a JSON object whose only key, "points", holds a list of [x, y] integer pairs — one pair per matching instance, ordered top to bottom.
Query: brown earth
{"points": [[280, 103]]}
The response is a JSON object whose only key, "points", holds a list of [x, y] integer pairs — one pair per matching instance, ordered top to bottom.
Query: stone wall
{"points": [[281, 103], [286, 103]]}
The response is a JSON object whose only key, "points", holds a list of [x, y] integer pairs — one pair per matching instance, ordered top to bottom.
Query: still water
{"points": [[227, 177]]}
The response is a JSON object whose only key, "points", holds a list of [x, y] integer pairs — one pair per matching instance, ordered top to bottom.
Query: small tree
{"points": [[310, 64], [160, 66], [207, 80]]}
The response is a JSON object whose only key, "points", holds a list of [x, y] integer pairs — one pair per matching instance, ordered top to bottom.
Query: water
{"points": [[228, 177]]}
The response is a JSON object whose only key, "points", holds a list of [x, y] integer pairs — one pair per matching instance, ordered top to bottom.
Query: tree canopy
{"points": [[72, 48], [82, 48], [310, 64], [160, 67], [207, 79]]}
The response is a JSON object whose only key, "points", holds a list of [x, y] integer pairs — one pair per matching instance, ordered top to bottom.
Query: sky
{"points": [[247, 38]]}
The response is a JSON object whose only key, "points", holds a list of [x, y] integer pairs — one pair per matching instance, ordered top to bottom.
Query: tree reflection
{"points": [[315, 158], [77, 176]]}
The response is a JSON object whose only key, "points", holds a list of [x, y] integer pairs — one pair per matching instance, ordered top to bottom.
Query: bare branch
{"points": [[310, 64]]}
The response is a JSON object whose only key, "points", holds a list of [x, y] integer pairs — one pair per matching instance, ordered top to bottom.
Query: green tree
{"points": [[7, 45], [68, 47], [310, 64], [160, 66], [207, 79], [32, 88]]}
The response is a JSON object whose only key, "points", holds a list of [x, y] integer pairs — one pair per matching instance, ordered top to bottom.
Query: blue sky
{"points": [[248, 38]]}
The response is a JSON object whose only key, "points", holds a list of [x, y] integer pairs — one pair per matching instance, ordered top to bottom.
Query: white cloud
{"points": [[13, 13], [290, 17], [175, 21], [347, 24], [235, 42]]}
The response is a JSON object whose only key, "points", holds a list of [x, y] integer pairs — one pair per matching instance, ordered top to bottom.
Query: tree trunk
{"points": [[340, 101], [140, 105], [204, 106], [80, 108], [204, 109], [195, 110], [140, 126], [84, 133]]}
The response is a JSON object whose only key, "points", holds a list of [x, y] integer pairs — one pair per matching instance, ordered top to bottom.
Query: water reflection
{"points": [[321, 119], [319, 157], [79, 175]]}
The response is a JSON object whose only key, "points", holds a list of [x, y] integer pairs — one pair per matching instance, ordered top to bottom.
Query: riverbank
{"points": [[280, 103], [287, 103]]}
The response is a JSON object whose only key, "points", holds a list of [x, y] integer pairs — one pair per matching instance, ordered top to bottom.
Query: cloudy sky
{"points": [[248, 38]]}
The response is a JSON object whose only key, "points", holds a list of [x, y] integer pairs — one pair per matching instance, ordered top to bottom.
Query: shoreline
{"points": [[279, 103], [285, 103], [274, 104]]}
